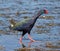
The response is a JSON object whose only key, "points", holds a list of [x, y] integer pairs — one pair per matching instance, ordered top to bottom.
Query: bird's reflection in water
{"points": [[29, 44], [24, 47]]}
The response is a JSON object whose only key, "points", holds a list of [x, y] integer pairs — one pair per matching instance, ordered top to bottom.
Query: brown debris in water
{"points": [[17, 13], [25, 17], [47, 17], [50, 24], [40, 26], [42, 31], [3, 32], [50, 45], [2, 48], [25, 49], [29, 49]]}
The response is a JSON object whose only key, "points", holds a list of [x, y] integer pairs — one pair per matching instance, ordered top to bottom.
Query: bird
{"points": [[26, 25]]}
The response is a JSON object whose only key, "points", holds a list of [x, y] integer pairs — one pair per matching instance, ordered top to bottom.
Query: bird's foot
{"points": [[33, 40]]}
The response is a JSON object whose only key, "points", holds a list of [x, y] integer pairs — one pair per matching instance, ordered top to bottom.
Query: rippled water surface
{"points": [[46, 29]]}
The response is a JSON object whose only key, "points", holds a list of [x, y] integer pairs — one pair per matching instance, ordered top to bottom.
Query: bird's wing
{"points": [[23, 24]]}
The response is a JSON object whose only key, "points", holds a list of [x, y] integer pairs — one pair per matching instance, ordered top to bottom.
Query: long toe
{"points": [[33, 41]]}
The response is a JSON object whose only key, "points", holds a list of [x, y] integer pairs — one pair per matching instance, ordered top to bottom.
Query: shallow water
{"points": [[46, 29]]}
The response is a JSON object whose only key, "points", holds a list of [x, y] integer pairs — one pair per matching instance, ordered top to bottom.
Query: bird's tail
{"points": [[12, 22]]}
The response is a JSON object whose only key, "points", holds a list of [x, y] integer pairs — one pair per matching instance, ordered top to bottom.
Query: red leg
{"points": [[30, 38], [21, 39]]}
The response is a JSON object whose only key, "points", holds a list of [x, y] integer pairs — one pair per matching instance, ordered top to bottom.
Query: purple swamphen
{"points": [[27, 24]]}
